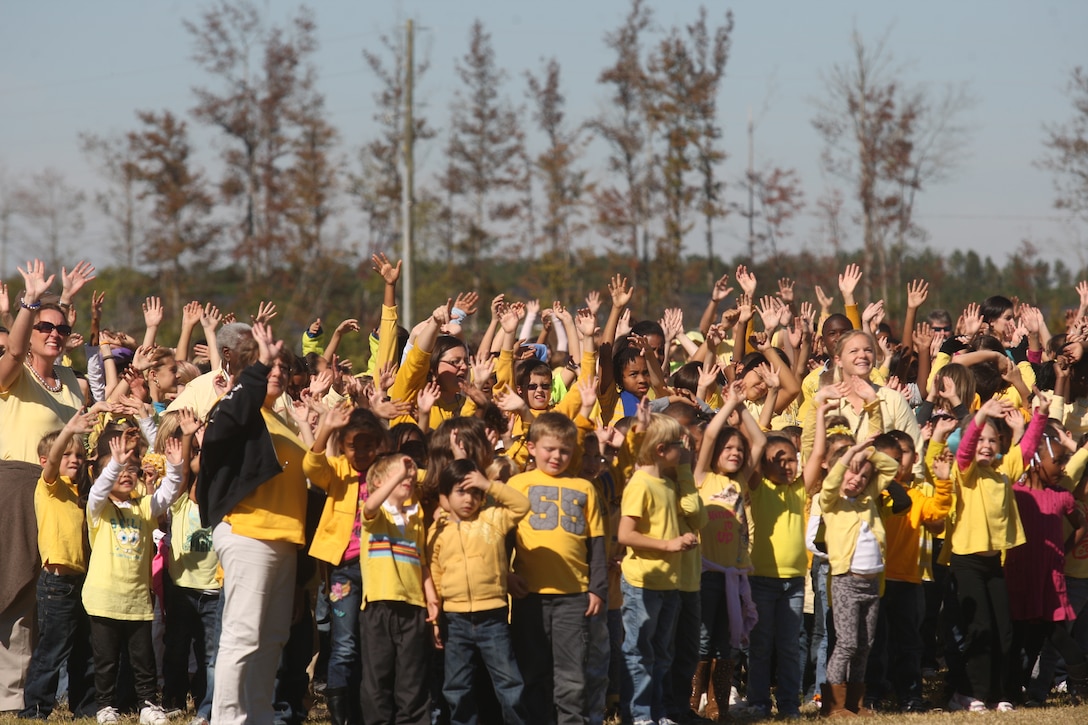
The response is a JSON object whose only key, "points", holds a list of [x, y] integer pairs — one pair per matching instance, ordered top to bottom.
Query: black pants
{"points": [[986, 626], [108, 637], [395, 648]]}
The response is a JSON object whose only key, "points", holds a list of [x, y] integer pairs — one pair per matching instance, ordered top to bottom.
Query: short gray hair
{"points": [[232, 335]]}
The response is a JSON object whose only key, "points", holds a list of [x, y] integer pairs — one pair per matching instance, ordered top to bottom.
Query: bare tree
{"points": [[263, 81], [891, 142], [1067, 151], [486, 155], [564, 183], [378, 186], [118, 200], [623, 206], [53, 211], [181, 233]]}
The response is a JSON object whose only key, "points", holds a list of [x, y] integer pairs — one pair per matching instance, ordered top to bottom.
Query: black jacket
{"points": [[237, 454]]}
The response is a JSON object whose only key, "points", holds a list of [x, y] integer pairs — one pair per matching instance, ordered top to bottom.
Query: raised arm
{"points": [[35, 283]]}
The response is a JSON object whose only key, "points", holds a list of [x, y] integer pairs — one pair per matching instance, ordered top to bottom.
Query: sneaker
{"points": [[964, 703], [1005, 706], [108, 715], [152, 715], [198, 720], [667, 721]]}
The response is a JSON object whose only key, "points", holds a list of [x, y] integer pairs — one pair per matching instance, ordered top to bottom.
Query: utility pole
{"points": [[408, 188], [751, 190]]}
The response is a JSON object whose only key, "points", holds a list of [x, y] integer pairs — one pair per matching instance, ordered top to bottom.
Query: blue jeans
{"points": [[345, 597], [779, 603], [192, 621], [649, 626], [64, 634], [488, 634]]}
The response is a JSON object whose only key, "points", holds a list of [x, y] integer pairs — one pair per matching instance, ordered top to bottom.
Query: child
{"points": [[727, 461], [849, 502], [986, 522], [650, 529], [337, 542], [561, 556], [779, 563], [469, 564], [192, 590], [117, 593], [397, 597], [1038, 601], [64, 631], [899, 640]]}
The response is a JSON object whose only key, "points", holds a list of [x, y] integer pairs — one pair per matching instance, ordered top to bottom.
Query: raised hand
{"points": [[385, 269], [747, 281], [72, 282], [848, 282], [35, 283], [721, 289], [786, 289], [620, 291], [917, 291], [824, 300], [593, 301], [467, 302], [152, 312], [265, 312], [768, 312], [190, 314], [210, 317], [972, 319], [586, 323], [673, 323], [624, 325], [347, 326], [923, 336], [268, 347], [428, 394], [188, 421]]}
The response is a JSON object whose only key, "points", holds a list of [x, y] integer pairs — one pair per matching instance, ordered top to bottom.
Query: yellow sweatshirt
{"points": [[843, 516], [469, 563]]}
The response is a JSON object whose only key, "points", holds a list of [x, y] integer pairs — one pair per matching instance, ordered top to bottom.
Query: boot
{"points": [[1076, 681], [698, 686], [717, 697], [855, 698], [336, 700], [833, 701]]}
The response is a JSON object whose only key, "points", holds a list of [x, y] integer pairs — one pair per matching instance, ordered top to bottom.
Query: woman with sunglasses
{"points": [[37, 397]]}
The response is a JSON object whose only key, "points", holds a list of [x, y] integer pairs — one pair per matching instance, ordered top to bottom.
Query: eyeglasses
{"points": [[46, 327], [941, 329], [455, 363], [538, 386]]}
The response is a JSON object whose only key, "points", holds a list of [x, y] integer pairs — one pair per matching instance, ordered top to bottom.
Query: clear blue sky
{"points": [[70, 67]]}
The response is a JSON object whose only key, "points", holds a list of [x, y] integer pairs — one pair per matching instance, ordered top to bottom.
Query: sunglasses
{"points": [[46, 327], [942, 329], [539, 386]]}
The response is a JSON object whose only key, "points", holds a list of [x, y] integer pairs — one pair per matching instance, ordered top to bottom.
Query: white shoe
{"points": [[964, 703], [1004, 706], [108, 715], [153, 715]]}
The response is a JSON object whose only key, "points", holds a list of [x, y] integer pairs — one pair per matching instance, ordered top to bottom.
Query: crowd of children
{"points": [[784, 508]]}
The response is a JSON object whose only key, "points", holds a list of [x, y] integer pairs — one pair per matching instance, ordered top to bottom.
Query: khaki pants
{"points": [[17, 628]]}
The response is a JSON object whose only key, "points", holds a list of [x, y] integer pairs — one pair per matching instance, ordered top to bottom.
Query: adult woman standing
{"points": [[36, 398], [253, 491]]}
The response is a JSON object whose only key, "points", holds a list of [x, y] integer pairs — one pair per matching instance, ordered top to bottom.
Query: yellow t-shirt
{"points": [[29, 412], [653, 501], [276, 510], [60, 524], [778, 530], [551, 539], [724, 539], [395, 554], [193, 563], [118, 584]]}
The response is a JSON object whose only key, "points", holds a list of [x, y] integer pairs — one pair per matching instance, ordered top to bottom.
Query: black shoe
{"points": [[917, 706]]}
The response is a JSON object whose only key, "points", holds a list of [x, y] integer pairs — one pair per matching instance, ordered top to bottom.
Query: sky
{"points": [[69, 67]]}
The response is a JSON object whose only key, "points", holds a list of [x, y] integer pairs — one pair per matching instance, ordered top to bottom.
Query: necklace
{"points": [[47, 386]]}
